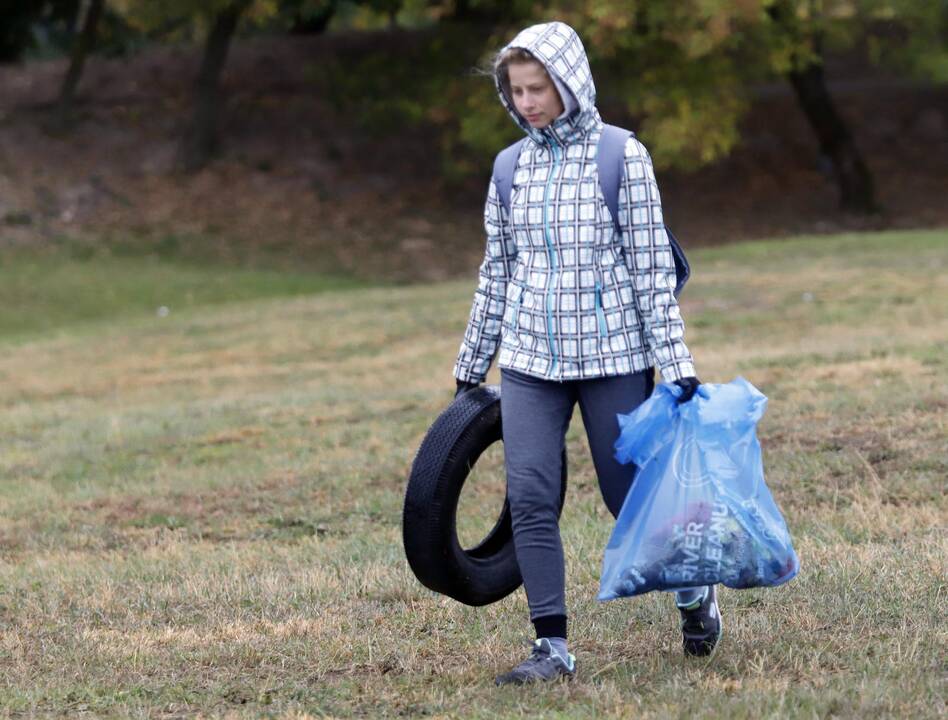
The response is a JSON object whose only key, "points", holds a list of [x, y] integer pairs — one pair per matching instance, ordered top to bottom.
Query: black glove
{"points": [[688, 386], [463, 387]]}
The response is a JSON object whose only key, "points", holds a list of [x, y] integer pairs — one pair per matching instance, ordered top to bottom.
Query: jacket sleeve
{"points": [[651, 264], [483, 328]]}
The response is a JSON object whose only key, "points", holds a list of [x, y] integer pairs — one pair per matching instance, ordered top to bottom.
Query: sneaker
{"points": [[701, 626], [543, 664]]}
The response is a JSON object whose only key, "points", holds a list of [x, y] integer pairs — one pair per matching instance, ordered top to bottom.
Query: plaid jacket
{"points": [[560, 292]]}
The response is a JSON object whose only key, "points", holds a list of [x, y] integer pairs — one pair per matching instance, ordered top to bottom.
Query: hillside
{"points": [[296, 180]]}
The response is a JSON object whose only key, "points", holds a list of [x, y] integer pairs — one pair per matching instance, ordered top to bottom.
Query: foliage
{"points": [[308, 16], [189, 17], [26, 26], [919, 42], [688, 66], [684, 70], [428, 80], [485, 126]]}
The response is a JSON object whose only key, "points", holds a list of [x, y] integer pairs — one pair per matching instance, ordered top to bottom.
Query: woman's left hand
{"points": [[688, 386], [463, 387]]}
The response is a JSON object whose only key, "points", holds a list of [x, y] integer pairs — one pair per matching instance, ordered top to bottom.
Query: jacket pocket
{"points": [[514, 313], [600, 314]]}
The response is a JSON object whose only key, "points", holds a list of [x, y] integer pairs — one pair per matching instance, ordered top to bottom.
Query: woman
{"points": [[580, 312]]}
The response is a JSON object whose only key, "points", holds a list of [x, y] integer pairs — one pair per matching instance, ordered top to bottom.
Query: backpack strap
{"points": [[610, 159], [505, 165], [682, 267]]}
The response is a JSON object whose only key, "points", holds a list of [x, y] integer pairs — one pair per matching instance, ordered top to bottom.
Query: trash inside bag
{"points": [[699, 512]]}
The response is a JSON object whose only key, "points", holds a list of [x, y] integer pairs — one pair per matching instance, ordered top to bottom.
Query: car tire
{"points": [[487, 572]]}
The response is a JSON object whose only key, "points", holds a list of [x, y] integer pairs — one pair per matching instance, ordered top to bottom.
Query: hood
{"points": [[557, 46]]}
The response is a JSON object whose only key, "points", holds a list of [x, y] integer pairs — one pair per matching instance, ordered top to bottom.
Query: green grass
{"points": [[43, 292], [200, 514]]}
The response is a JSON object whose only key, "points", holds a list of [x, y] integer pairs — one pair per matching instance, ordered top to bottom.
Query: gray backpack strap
{"points": [[610, 158], [505, 165]]}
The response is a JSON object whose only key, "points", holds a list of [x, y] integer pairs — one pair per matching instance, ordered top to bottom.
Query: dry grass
{"points": [[201, 513]]}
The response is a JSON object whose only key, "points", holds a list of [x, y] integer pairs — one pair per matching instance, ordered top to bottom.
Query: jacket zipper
{"points": [[551, 255], [600, 315]]}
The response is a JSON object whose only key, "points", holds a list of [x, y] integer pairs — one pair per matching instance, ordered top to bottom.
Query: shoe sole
{"points": [[565, 677], [529, 681]]}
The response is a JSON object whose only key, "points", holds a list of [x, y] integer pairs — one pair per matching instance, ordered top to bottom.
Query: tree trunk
{"points": [[81, 48], [200, 140], [857, 192]]}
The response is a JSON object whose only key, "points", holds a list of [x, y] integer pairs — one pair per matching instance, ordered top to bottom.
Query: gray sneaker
{"points": [[701, 626], [543, 664]]}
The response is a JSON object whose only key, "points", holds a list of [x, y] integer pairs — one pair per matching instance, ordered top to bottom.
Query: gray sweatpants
{"points": [[536, 415]]}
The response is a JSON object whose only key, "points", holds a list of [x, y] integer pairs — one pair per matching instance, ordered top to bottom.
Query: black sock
{"points": [[550, 626]]}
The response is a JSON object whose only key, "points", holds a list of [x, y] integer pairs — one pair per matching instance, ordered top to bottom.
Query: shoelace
{"points": [[537, 655]]}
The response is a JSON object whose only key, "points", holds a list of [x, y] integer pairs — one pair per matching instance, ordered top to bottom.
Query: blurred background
{"points": [[355, 138]]}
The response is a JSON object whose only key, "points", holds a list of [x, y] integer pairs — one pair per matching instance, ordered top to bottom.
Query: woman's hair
{"points": [[504, 59]]}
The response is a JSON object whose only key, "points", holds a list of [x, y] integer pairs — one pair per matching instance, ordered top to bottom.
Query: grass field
{"points": [[200, 512]]}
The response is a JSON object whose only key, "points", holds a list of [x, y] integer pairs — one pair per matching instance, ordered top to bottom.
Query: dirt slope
{"points": [[297, 180]]}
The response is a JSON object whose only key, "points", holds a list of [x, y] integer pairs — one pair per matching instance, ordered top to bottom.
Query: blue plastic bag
{"points": [[699, 512]]}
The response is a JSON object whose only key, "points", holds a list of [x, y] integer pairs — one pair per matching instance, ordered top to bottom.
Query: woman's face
{"points": [[534, 94]]}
